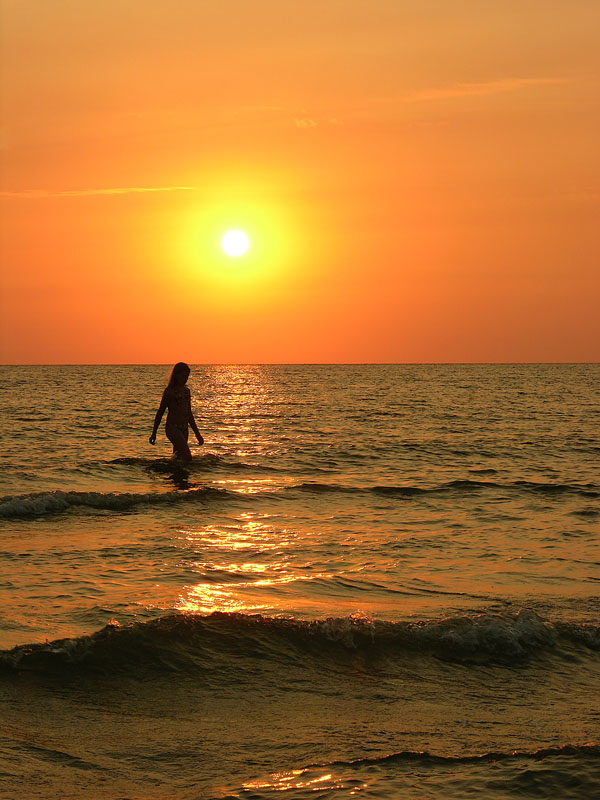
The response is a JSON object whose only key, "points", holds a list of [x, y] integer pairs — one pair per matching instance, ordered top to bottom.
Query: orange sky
{"points": [[420, 181]]}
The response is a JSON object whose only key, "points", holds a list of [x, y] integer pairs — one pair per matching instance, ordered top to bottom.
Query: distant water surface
{"points": [[374, 580]]}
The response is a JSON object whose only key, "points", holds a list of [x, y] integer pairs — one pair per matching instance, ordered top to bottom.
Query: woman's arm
{"points": [[159, 415], [192, 421]]}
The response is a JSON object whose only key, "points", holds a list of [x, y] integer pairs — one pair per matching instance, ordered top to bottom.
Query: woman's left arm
{"points": [[192, 421]]}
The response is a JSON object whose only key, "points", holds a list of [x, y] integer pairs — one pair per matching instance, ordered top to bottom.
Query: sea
{"points": [[372, 581]]}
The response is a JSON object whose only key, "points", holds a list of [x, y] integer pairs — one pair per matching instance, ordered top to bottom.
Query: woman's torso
{"points": [[178, 402]]}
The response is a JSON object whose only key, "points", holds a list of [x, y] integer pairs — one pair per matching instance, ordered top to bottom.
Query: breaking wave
{"points": [[39, 504], [184, 641]]}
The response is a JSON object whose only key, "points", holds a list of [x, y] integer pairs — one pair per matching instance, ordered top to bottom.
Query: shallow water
{"points": [[363, 563]]}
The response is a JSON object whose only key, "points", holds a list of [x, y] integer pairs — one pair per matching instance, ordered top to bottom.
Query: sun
{"points": [[235, 243]]}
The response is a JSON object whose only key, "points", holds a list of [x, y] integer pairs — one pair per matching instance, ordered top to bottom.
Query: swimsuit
{"points": [[180, 398], [181, 426]]}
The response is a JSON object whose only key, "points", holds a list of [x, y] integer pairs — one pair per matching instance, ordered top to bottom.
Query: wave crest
{"points": [[460, 486], [39, 504], [183, 641], [590, 749], [566, 771]]}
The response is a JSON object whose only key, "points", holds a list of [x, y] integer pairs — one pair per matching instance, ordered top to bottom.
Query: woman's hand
{"points": [[152, 439], [200, 439]]}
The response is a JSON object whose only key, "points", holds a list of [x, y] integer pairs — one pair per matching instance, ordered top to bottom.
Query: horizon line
{"points": [[298, 363]]}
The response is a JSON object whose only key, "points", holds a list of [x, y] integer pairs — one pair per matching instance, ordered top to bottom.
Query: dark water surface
{"points": [[378, 581]]}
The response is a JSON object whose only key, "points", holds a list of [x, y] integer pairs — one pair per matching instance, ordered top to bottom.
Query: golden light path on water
{"points": [[253, 485], [252, 534], [249, 584], [242, 595], [206, 598], [291, 779], [283, 781]]}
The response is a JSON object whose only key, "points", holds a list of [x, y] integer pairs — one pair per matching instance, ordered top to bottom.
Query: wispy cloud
{"points": [[485, 88], [305, 123], [40, 193]]}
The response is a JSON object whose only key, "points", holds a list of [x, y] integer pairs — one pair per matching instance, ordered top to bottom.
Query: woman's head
{"points": [[179, 374]]}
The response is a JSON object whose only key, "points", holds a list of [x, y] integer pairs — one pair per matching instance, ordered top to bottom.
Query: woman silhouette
{"points": [[176, 397]]}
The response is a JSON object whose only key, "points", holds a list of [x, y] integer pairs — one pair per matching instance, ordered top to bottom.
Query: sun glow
{"points": [[235, 243], [268, 260]]}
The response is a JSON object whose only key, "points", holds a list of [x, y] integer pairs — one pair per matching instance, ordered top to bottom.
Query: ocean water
{"points": [[373, 581]]}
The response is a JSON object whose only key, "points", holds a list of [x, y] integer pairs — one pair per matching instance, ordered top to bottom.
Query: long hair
{"points": [[181, 366]]}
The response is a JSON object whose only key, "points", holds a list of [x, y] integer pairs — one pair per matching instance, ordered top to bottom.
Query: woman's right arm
{"points": [[159, 415]]}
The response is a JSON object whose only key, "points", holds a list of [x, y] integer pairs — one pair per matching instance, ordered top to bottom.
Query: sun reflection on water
{"points": [[246, 402], [253, 485], [252, 533], [244, 586], [235, 597], [204, 599], [304, 779]]}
